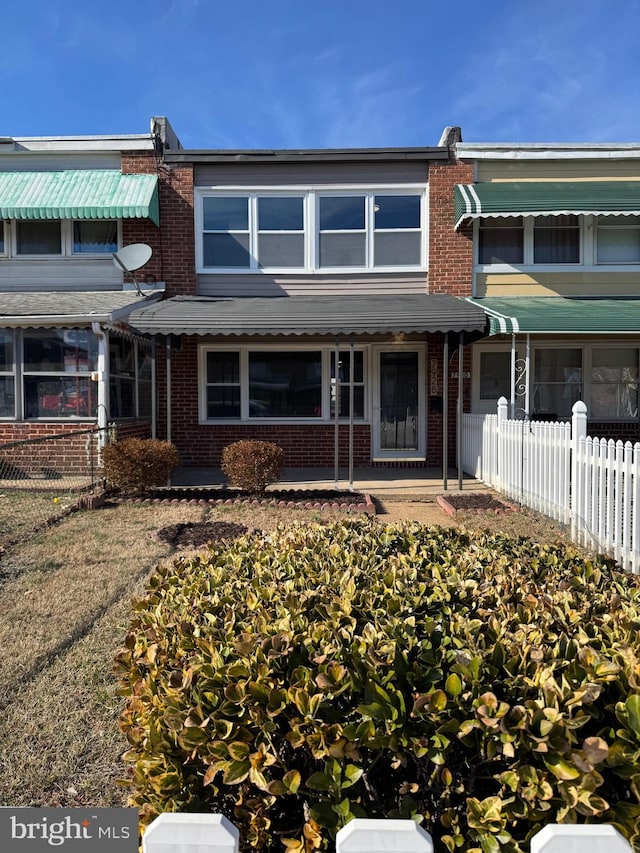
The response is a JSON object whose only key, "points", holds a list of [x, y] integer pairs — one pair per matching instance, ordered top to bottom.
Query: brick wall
{"points": [[450, 252], [173, 259], [617, 431]]}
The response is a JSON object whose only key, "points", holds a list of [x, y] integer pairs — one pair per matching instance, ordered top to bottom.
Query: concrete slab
{"points": [[384, 482]]}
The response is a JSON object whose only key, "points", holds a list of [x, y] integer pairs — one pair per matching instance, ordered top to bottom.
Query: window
{"points": [[311, 230], [280, 231], [343, 236], [35, 237], [95, 237], [62, 238], [556, 239], [3, 240], [501, 240], [530, 240], [618, 240], [57, 373], [344, 375], [495, 375], [7, 378], [129, 378], [557, 381], [614, 383], [288, 384], [222, 385], [284, 387]]}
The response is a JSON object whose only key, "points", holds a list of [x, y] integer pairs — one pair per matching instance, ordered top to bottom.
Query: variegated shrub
{"points": [[482, 685]]}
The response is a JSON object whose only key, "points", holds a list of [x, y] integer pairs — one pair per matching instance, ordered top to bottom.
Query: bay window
{"points": [[310, 230], [291, 384]]}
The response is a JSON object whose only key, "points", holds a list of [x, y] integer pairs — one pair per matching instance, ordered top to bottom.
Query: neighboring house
{"points": [[556, 267], [313, 302], [68, 359]]}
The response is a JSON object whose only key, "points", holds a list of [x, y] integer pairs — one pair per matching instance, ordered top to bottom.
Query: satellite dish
{"points": [[131, 258]]}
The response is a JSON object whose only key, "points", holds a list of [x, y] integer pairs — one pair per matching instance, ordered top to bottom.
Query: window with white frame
{"points": [[311, 230], [59, 238], [3, 239], [501, 240], [618, 240], [7, 374], [558, 381], [289, 384]]}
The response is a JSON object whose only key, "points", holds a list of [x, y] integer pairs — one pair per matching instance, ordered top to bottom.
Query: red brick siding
{"points": [[173, 243], [450, 252]]}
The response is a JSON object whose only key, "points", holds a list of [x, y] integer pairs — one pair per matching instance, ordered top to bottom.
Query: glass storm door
{"points": [[399, 408]]}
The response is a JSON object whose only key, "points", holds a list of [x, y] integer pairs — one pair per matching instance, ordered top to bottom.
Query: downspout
{"points": [[102, 379], [459, 410], [445, 411], [336, 414]]}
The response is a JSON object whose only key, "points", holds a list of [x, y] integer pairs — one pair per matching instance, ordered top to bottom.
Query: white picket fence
{"points": [[591, 484], [208, 833]]}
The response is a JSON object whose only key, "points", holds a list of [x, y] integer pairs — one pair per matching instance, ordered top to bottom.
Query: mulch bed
{"points": [[308, 498], [473, 502], [195, 534]]}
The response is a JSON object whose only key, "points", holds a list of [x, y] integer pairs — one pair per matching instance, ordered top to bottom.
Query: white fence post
{"points": [[502, 419], [578, 431], [178, 832], [365, 835], [580, 838]]}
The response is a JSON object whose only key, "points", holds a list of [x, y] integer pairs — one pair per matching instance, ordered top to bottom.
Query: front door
{"points": [[398, 421]]}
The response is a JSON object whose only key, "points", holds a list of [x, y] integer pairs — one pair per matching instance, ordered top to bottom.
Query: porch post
{"points": [[102, 383], [168, 387], [445, 410], [459, 410], [336, 414]]}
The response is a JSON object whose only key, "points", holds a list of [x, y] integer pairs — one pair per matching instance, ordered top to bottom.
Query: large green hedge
{"points": [[290, 681]]}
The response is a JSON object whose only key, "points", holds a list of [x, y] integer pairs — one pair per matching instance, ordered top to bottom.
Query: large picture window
{"points": [[311, 230], [292, 384]]}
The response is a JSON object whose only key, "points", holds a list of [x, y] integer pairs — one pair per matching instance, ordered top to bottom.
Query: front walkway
{"points": [[383, 482]]}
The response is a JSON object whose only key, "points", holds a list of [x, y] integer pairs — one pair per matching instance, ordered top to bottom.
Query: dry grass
{"points": [[65, 603]]}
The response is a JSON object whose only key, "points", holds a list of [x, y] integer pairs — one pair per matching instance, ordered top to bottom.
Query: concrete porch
{"points": [[383, 482]]}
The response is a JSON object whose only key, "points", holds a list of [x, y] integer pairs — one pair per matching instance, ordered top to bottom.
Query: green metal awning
{"points": [[78, 194], [545, 198], [561, 315]]}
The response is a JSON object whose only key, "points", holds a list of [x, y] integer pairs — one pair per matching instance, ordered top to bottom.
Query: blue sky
{"points": [[333, 73]]}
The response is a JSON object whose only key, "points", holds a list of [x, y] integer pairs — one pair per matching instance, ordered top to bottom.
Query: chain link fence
{"points": [[43, 479]]}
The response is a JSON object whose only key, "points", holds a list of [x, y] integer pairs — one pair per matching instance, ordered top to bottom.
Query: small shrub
{"points": [[136, 464], [252, 464], [482, 685]]}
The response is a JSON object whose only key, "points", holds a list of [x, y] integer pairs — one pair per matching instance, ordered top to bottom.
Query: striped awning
{"points": [[78, 194], [545, 198], [561, 315]]}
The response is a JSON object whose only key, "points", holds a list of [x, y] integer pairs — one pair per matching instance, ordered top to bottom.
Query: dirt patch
{"points": [[276, 495], [473, 502], [196, 534]]}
